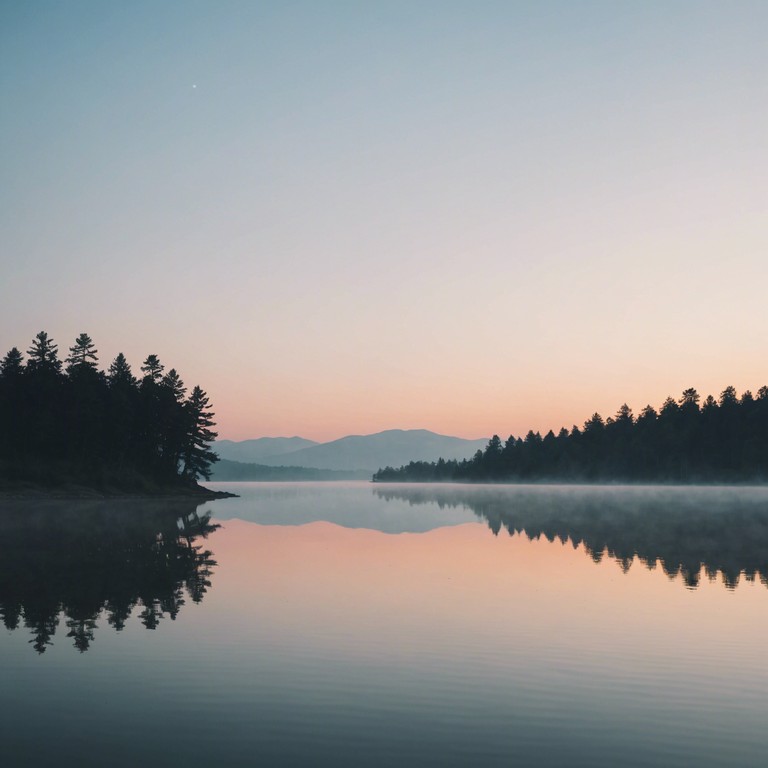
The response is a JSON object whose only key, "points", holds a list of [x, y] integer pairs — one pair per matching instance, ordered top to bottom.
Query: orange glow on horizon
{"points": [[542, 409]]}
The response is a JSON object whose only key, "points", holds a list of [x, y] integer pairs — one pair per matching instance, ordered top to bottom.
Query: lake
{"points": [[348, 624]]}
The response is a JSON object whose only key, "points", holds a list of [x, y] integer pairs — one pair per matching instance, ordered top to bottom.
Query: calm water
{"points": [[357, 624]]}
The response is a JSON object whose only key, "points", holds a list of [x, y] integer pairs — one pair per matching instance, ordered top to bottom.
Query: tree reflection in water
{"points": [[686, 531], [81, 562]]}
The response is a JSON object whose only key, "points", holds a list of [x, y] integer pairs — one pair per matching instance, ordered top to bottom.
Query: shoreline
{"points": [[760, 483], [84, 493]]}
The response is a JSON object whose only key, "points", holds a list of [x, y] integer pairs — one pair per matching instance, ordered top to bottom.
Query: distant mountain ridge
{"points": [[393, 447], [253, 451]]}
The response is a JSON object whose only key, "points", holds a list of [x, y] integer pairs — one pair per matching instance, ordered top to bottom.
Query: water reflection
{"points": [[688, 532], [79, 562]]}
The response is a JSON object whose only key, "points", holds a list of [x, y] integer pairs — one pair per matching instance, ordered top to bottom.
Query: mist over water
{"points": [[490, 220], [348, 504], [684, 530], [334, 623]]}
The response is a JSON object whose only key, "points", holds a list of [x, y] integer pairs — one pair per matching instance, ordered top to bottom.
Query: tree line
{"points": [[68, 422], [686, 440]]}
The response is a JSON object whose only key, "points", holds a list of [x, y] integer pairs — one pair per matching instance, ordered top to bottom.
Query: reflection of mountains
{"points": [[684, 530], [79, 561]]}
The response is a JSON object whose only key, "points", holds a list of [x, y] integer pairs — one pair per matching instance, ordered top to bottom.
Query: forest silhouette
{"points": [[69, 423], [720, 440], [688, 533], [79, 563]]}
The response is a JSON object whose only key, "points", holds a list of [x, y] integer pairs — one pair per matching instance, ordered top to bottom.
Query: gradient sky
{"points": [[344, 217]]}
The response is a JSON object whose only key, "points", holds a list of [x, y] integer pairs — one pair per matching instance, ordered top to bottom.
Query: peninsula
{"points": [[73, 430]]}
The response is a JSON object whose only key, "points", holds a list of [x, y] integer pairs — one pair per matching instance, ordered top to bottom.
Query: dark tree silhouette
{"points": [[43, 354], [82, 354], [11, 364], [152, 368], [120, 372], [173, 382], [101, 430], [723, 440], [197, 457]]}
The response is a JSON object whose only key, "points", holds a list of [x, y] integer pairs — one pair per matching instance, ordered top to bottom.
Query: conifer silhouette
{"points": [[98, 429], [723, 440]]}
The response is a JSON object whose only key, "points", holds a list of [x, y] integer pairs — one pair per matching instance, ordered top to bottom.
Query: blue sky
{"points": [[341, 217]]}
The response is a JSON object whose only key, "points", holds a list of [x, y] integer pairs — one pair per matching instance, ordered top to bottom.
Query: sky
{"points": [[342, 217]]}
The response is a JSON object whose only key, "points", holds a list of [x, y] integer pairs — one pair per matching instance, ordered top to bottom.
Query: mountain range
{"points": [[253, 451], [354, 453]]}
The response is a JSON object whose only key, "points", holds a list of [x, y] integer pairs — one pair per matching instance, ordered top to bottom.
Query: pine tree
{"points": [[43, 354], [83, 354], [11, 365], [152, 368], [120, 372], [172, 381], [728, 397], [690, 400], [12, 415], [172, 417], [101, 428], [197, 456]]}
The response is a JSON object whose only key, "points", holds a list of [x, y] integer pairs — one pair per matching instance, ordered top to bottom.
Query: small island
{"points": [[71, 430]]}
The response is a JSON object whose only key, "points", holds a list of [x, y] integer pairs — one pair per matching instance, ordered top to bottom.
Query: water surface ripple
{"points": [[348, 623]]}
